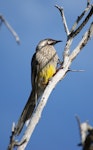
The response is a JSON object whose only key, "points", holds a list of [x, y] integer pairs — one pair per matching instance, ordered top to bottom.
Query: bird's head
{"points": [[46, 42]]}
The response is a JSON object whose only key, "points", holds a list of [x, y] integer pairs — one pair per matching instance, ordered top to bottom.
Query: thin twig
{"points": [[63, 19], [10, 29], [68, 43], [76, 70], [79, 125]]}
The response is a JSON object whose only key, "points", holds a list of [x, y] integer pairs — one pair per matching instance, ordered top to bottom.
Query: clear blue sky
{"points": [[35, 20]]}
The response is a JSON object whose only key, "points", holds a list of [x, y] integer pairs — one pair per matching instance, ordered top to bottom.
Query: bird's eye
{"points": [[50, 42]]}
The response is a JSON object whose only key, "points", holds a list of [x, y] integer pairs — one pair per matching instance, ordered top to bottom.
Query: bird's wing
{"points": [[34, 71], [30, 105]]}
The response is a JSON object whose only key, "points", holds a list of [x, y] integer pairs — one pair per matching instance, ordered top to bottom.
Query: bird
{"points": [[43, 66]]}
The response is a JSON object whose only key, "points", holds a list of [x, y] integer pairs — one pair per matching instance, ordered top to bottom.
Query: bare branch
{"points": [[80, 17], [63, 19], [10, 29], [74, 33], [83, 42], [67, 51]]}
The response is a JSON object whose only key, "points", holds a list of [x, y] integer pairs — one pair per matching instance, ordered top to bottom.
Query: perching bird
{"points": [[43, 67]]}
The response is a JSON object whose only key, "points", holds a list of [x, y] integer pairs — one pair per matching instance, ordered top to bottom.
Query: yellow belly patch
{"points": [[46, 73]]}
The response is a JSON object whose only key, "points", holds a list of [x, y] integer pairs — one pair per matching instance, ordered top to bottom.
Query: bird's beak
{"points": [[57, 41], [53, 42]]}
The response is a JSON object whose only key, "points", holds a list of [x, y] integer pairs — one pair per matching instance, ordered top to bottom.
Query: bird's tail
{"points": [[26, 114]]}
